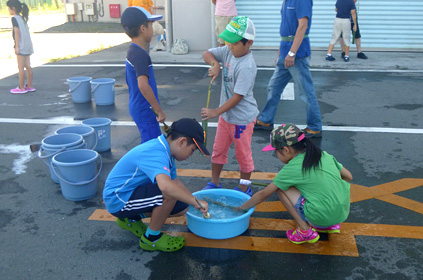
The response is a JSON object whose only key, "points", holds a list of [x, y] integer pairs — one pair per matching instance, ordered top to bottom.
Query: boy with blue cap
{"points": [[137, 23], [238, 108], [144, 183]]}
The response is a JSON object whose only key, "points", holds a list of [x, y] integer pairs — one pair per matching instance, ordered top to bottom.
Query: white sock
{"points": [[329, 54]]}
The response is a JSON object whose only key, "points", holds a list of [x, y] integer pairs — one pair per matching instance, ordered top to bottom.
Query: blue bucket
{"points": [[80, 89], [103, 91], [102, 128], [87, 132], [52, 145], [77, 172], [219, 228]]}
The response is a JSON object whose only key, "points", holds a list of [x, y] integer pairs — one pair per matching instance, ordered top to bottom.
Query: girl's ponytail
{"points": [[20, 8], [25, 11], [313, 154]]}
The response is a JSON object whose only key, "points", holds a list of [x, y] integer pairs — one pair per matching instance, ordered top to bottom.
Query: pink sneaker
{"points": [[30, 89], [18, 91], [332, 229], [297, 237]]}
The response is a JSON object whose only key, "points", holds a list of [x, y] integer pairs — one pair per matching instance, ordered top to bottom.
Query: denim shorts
{"points": [[299, 206]]}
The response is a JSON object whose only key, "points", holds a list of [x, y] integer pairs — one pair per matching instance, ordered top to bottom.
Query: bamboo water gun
{"points": [[205, 123], [166, 128], [249, 183]]}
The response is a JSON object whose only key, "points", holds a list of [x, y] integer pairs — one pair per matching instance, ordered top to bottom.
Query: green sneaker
{"points": [[138, 228], [166, 243]]}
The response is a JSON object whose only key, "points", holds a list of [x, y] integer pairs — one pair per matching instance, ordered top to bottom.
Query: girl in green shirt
{"points": [[313, 186]]}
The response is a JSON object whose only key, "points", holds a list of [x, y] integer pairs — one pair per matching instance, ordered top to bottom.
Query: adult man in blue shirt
{"points": [[293, 62]]}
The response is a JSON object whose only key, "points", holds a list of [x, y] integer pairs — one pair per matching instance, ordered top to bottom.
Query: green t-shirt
{"points": [[327, 195]]}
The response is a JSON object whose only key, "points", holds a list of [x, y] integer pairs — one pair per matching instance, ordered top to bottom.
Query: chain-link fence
{"points": [[35, 3]]}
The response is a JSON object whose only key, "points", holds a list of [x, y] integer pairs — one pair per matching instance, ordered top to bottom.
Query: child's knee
{"points": [[181, 213]]}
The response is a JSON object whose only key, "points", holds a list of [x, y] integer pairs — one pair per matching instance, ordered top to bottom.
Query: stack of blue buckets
{"points": [[102, 89], [72, 155]]}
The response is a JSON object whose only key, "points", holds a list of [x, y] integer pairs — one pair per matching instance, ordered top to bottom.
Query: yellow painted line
{"points": [[225, 174], [381, 192], [363, 193], [403, 202], [270, 206], [397, 231], [338, 245], [341, 245]]}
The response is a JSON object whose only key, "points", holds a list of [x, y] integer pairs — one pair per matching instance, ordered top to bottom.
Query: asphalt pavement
{"points": [[371, 112]]}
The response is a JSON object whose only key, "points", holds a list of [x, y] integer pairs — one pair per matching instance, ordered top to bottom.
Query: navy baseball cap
{"points": [[135, 16], [191, 128]]}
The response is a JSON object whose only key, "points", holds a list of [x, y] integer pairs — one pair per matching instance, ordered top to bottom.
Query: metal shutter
{"points": [[266, 16], [383, 24]]}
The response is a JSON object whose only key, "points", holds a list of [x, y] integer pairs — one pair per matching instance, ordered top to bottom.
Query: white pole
{"points": [[213, 26], [169, 27]]}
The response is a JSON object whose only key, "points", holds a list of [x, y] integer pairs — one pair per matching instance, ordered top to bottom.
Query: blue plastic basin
{"points": [[219, 228]]}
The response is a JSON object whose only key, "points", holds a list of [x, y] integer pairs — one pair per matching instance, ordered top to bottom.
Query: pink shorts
{"points": [[241, 136]]}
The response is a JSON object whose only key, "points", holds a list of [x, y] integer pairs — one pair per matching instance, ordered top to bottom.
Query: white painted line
{"points": [[79, 65], [207, 66], [350, 70], [288, 93], [70, 121]]}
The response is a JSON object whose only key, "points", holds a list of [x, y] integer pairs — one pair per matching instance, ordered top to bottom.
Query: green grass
{"points": [[45, 9], [97, 49], [73, 56], [51, 60]]}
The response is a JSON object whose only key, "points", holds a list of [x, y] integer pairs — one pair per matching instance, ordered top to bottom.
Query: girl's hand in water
{"points": [[239, 209]]}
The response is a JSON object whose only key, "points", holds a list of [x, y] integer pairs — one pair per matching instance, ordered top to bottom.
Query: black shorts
{"points": [[357, 33], [143, 200]]}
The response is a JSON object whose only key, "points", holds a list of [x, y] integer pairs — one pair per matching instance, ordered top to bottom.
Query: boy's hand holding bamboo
{"points": [[214, 71], [166, 128], [202, 208]]}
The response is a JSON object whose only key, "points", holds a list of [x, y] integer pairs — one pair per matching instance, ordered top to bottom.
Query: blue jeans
{"points": [[300, 72]]}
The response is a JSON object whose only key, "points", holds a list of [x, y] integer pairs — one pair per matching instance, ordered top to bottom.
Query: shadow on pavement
{"points": [[85, 27]]}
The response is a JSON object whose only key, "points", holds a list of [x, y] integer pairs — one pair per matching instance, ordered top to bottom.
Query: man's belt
{"points": [[291, 38]]}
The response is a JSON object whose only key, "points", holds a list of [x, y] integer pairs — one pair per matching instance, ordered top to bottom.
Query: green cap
{"points": [[238, 28], [285, 135]]}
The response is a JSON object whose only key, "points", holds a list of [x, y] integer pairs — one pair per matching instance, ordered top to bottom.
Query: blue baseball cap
{"points": [[135, 16]]}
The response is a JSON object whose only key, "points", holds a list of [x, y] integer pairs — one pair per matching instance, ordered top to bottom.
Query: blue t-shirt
{"points": [[344, 7], [291, 12], [138, 63], [137, 168]]}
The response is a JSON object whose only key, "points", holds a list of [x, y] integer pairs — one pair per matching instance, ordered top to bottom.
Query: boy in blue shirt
{"points": [[137, 23], [144, 183]]}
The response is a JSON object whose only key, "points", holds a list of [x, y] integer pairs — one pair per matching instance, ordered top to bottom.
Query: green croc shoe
{"points": [[138, 228], [166, 243]]}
